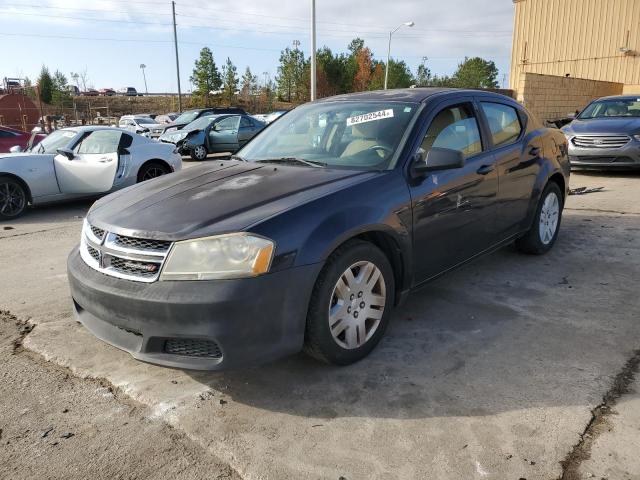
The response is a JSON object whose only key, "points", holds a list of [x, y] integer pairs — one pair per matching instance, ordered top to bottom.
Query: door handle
{"points": [[535, 151], [485, 169]]}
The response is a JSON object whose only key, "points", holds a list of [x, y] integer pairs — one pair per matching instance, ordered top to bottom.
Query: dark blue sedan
{"points": [[314, 231]]}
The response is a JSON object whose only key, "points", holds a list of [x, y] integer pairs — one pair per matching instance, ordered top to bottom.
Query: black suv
{"points": [[189, 116]]}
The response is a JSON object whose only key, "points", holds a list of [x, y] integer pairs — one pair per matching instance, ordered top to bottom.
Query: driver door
{"points": [[223, 135], [93, 166], [454, 210]]}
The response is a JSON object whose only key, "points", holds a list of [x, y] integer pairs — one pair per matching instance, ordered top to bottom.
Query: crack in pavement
{"points": [[600, 210], [35, 231], [582, 450]]}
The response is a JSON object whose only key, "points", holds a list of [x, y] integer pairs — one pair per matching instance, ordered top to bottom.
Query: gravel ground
{"points": [[54, 425]]}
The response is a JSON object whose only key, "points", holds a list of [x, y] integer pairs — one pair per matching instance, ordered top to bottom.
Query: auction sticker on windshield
{"points": [[369, 117]]}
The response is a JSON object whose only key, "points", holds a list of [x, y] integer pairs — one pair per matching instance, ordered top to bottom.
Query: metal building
{"points": [[597, 41]]}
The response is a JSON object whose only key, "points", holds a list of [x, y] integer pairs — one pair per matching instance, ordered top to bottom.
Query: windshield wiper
{"points": [[294, 160]]}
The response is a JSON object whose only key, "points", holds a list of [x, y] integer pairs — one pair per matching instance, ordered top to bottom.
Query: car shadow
{"points": [[505, 333]]}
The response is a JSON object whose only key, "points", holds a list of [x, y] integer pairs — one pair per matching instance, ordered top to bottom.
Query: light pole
{"points": [[313, 50], [142, 67], [386, 71]]}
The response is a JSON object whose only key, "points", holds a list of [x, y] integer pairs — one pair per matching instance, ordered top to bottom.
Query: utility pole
{"points": [[175, 41], [313, 50], [142, 67]]}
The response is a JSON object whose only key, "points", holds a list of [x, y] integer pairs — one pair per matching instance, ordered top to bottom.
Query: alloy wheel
{"points": [[200, 152], [152, 172], [12, 199], [549, 216], [357, 305]]}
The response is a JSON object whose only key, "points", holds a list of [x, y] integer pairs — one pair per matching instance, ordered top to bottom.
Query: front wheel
{"points": [[199, 152], [13, 198], [546, 224], [350, 305]]}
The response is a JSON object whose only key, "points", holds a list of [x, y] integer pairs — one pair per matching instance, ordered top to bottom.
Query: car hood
{"points": [[620, 126], [211, 199]]}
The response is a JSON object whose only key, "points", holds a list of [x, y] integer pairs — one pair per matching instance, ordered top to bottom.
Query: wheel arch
{"points": [[164, 163], [21, 182]]}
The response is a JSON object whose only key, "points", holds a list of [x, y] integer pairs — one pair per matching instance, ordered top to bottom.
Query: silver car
{"points": [[606, 134], [80, 162]]}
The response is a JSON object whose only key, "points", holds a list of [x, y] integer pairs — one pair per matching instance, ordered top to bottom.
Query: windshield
{"points": [[628, 107], [187, 117], [145, 121], [199, 124], [361, 135], [54, 141]]}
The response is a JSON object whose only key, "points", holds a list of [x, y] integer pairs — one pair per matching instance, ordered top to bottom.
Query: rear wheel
{"points": [[199, 152], [152, 170], [13, 198], [546, 224], [350, 305]]}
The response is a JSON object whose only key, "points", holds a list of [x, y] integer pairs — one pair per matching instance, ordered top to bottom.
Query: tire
{"points": [[199, 152], [152, 170], [13, 198], [546, 224], [360, 317]]}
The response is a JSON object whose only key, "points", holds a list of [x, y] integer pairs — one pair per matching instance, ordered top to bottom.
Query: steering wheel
{"points": [[387, 151]]}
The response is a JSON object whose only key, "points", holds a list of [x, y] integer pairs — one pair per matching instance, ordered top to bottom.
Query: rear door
{"points": [[247, 131], [223, 135], [518, 156], [94, 164]]}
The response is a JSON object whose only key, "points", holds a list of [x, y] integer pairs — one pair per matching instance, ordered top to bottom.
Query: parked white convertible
{"points": [[80, 162]]}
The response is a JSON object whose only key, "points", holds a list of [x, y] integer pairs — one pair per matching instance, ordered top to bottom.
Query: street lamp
{"points": [[142, 67], [386, 71]]}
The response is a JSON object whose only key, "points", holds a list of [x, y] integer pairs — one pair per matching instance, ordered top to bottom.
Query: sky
{"points": [[110, 39]]}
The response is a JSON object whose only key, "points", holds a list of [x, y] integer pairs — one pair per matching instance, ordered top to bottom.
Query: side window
{"points": [[504, 122], [229, 123], [245, 123], [455, 128], [4, 134], [99, 142]]}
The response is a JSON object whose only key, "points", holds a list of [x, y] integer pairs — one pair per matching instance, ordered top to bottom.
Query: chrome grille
{"points": [[600, 141], [97, 232], [142, 243], [131, 258], [192, 348]]}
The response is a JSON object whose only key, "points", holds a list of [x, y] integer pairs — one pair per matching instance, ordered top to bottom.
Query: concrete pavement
{"points": [[490, 372]]}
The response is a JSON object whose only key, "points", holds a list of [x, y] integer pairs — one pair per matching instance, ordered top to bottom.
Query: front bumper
{"points": [[627, 157], [251, 320]]}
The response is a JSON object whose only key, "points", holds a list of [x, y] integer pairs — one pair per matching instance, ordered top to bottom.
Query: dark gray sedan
{"points": [[214, 134], [606, 134]]}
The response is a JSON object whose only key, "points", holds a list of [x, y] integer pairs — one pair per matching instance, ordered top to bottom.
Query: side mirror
{"points": [[16, 149], [66, 152], [436, 159]]}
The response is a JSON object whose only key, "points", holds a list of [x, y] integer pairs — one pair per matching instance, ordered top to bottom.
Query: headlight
{"points": [[171, 129], [637, 137], [236, 255]]}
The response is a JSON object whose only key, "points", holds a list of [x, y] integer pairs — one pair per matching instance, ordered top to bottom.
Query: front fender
{"points": [[36, 171]]}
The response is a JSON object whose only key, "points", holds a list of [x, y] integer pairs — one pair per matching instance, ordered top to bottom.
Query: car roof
{"points": [[415, 95], [619, 97], [91, 128]]}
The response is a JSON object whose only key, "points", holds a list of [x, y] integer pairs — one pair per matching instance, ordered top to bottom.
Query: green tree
{"points": [[476, 73], [400, 75], [423, 76], [205, 77], [291, 79], [229, 81], [45, 85], [248, 85], [60, 95]]}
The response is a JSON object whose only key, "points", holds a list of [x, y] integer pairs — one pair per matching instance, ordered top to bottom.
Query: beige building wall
{"points": [[582, 38], [551, 97]]}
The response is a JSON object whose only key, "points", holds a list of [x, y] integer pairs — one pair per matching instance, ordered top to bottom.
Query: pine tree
{"points": [[206, 77], [229, 81], [45, 85], [249, 85]]}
